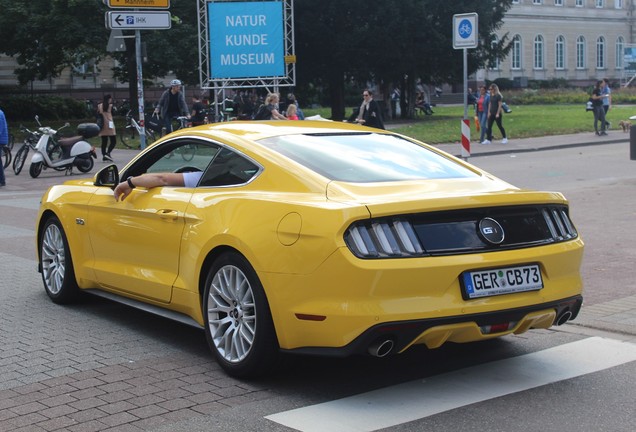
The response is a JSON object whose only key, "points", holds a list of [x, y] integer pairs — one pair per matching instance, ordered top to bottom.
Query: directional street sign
{"points": [[139, 4], [151, 20]]}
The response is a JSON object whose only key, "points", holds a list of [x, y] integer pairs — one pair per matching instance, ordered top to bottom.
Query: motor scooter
{"points": [[62, 154]]}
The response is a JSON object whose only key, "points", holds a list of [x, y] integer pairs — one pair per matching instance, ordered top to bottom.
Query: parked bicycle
{"points": [[130, 133], [28, 144], [188, 151]]}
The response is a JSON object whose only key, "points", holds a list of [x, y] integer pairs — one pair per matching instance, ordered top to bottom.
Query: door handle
{"points": [[168, 214]]}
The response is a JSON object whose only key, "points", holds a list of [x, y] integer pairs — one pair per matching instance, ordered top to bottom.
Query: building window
{"points": [[537, 2], [558, 2], [578, 3], [600, 3], [618, 4], [620, 46], [516, 52], [538, 52], [580, 52], [559, 53], [600, 53], [494, 64]]}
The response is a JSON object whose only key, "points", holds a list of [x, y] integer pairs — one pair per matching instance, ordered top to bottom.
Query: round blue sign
{"points": [[465, 28]]}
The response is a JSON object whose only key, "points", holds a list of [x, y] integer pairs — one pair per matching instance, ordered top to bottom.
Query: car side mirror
{"points": [[107, 176]]}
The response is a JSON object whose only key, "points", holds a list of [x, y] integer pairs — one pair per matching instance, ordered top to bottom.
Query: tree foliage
{"points": [[46, 36], [389, 41], [337, 42]]}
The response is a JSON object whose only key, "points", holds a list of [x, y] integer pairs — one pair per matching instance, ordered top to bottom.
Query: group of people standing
{"points": [[601, 100], [489, 110]]}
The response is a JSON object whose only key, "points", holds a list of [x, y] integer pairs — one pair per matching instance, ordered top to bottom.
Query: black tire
{"points": [[5, 154], [20, 159], [85, 164], [35, 169], [58, 274], [238, 322]]}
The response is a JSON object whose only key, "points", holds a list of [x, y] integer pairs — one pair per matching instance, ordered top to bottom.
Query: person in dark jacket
{"points": [[172, 104], [370, 113]]}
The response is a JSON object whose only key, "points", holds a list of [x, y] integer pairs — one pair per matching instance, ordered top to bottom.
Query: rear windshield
{"points": [[366, 157]]}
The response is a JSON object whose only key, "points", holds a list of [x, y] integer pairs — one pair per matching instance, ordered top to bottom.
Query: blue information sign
{"points": [[246, 39]]}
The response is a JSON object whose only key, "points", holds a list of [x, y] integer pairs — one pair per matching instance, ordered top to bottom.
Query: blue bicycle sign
{"points": [[465, 30]]}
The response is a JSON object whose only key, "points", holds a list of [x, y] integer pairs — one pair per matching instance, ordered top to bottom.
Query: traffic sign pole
{"points": [[465, 35]]}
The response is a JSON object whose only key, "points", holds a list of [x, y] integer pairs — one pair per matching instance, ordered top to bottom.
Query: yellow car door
{"points": [[136, 242]]}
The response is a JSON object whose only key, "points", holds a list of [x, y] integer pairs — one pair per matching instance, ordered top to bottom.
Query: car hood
{"points": [[389, 198]]}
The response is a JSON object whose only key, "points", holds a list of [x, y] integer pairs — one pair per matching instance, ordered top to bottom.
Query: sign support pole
{"points": [[140, 91], [465, 127]]}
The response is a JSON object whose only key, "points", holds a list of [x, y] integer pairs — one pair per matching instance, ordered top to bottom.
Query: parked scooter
{"points": [[62, 154]]}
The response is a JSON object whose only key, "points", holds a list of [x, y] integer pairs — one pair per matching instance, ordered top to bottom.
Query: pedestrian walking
{"points": [[606, 91], [597, 105], [482, 112], [370, 114], [495, 114], [108, 132]]}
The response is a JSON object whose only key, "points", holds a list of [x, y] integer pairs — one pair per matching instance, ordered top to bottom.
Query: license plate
{"points": [[486, 283]]}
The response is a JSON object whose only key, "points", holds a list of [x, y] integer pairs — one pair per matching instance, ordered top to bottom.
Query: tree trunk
{"points": [[337, 92]]}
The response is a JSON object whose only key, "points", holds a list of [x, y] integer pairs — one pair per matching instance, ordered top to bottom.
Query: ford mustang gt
{"points": [[318, 238]]}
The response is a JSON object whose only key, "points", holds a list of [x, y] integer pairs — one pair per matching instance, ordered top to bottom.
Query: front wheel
{"points": [[20, 159], [35, 169], [56, 263], [238, 322]]}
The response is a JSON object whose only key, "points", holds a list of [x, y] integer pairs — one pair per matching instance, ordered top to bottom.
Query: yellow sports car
{"points": [[317, 238]]}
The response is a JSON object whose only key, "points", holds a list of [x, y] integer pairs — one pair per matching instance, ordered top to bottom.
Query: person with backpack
{"points": [[269, 110]]}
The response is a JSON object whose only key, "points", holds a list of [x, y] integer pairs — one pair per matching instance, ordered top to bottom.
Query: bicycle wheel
{"points": [[127, 138], [188, 151], [5, 154], [20, 158]]}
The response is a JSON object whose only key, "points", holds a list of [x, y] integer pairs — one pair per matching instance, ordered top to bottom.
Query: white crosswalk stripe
{"points": [[422, 398]]}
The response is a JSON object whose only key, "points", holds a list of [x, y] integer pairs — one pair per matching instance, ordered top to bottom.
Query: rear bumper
{"points": [[466, 328]]}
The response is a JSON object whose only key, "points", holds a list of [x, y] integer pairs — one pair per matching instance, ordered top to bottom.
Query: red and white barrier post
{"points": [[465, 138]]}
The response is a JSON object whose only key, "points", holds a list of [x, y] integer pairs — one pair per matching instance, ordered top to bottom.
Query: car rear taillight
{"points": [[377, 239]]}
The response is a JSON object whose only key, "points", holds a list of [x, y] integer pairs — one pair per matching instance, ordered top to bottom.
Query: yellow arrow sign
{"points": [[140, 4]]}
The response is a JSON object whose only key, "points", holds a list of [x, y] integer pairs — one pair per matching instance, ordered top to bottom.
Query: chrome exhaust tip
{"points": [[563, 318], [381, 348]]}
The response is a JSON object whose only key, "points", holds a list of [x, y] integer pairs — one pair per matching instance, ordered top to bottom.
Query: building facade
{"points": [[576, 40]]}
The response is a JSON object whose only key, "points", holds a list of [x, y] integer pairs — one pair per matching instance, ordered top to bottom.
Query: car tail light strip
{"points": [[457, 232]]}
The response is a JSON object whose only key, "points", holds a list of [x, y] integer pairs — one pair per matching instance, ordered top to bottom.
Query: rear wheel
{"points": [[20, 159], [85, 164], [35, 169], [58, 274], [238, 322]]}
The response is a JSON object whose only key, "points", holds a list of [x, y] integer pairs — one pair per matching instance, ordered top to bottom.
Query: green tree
{"points": [[47, 36], [389, 41]]}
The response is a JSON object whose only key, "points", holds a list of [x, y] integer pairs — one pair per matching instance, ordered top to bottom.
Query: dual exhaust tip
{"points": [[383, 347]]}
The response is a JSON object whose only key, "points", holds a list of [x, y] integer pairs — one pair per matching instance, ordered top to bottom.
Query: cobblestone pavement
{"points": [[100, 366]]}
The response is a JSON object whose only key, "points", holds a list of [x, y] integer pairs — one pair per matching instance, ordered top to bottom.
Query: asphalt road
{"points": [[101, 366]]}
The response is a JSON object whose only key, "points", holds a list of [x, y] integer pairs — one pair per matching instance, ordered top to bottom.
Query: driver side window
{"points": [[183, 156], [229, 169]]}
